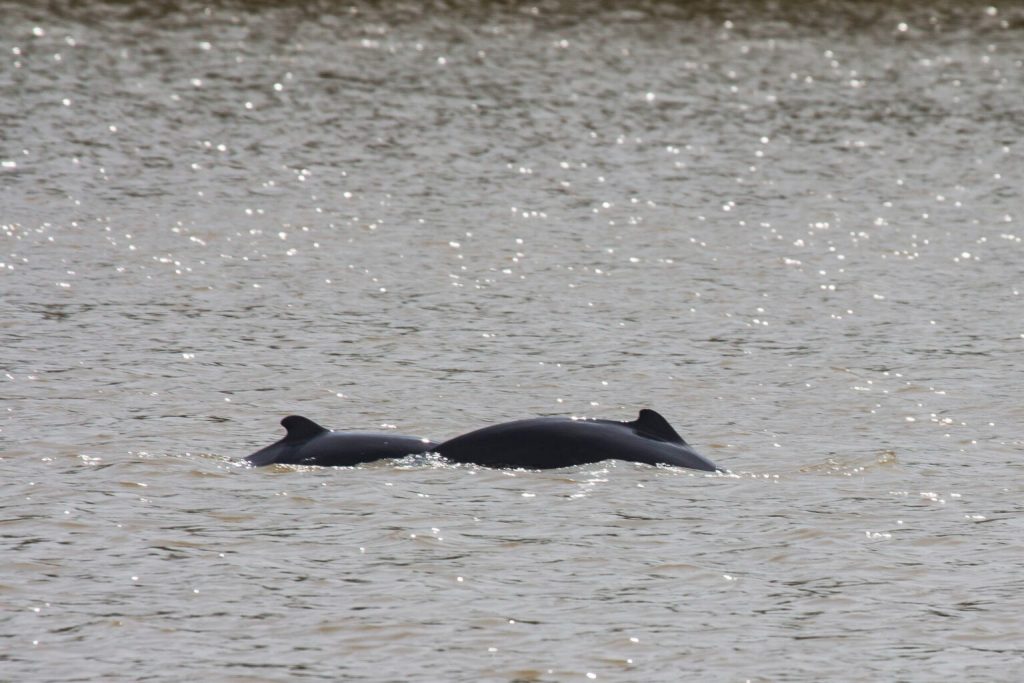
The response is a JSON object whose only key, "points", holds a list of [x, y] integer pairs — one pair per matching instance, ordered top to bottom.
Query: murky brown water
{"points": [[794, 231]]}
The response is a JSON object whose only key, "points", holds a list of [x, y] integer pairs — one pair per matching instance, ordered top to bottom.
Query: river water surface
{"points": [[794, 229]]}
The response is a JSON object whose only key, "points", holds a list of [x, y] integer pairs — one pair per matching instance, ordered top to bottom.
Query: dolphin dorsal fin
{"points": [[649, 423], [301, 428]]}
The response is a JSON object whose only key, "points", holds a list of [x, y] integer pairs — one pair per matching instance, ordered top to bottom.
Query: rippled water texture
{"points": [[793, 228]]}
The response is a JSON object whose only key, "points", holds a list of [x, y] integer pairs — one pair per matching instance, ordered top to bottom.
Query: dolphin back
{"points": [[555, 442], [307, 443]]}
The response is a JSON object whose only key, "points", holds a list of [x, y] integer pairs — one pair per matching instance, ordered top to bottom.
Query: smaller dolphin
{"points": [[550, 442], [307, 443]]}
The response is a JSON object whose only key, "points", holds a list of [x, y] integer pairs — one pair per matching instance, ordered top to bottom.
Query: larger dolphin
{"points": [[550, 442], [307, 443]]}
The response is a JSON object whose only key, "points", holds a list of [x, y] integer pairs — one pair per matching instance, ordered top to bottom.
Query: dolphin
{"points": [[551, 442], [307, 443]]}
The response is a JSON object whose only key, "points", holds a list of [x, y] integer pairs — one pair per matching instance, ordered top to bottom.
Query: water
{"points": [[794, 230]]}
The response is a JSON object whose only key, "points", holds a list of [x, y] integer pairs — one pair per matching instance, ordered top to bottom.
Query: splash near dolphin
{"points": [[552, 442], [307, 443]]}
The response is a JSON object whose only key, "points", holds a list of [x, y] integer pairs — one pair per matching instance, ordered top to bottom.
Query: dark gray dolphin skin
{"points": [[551, 442], [307, 443]]}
